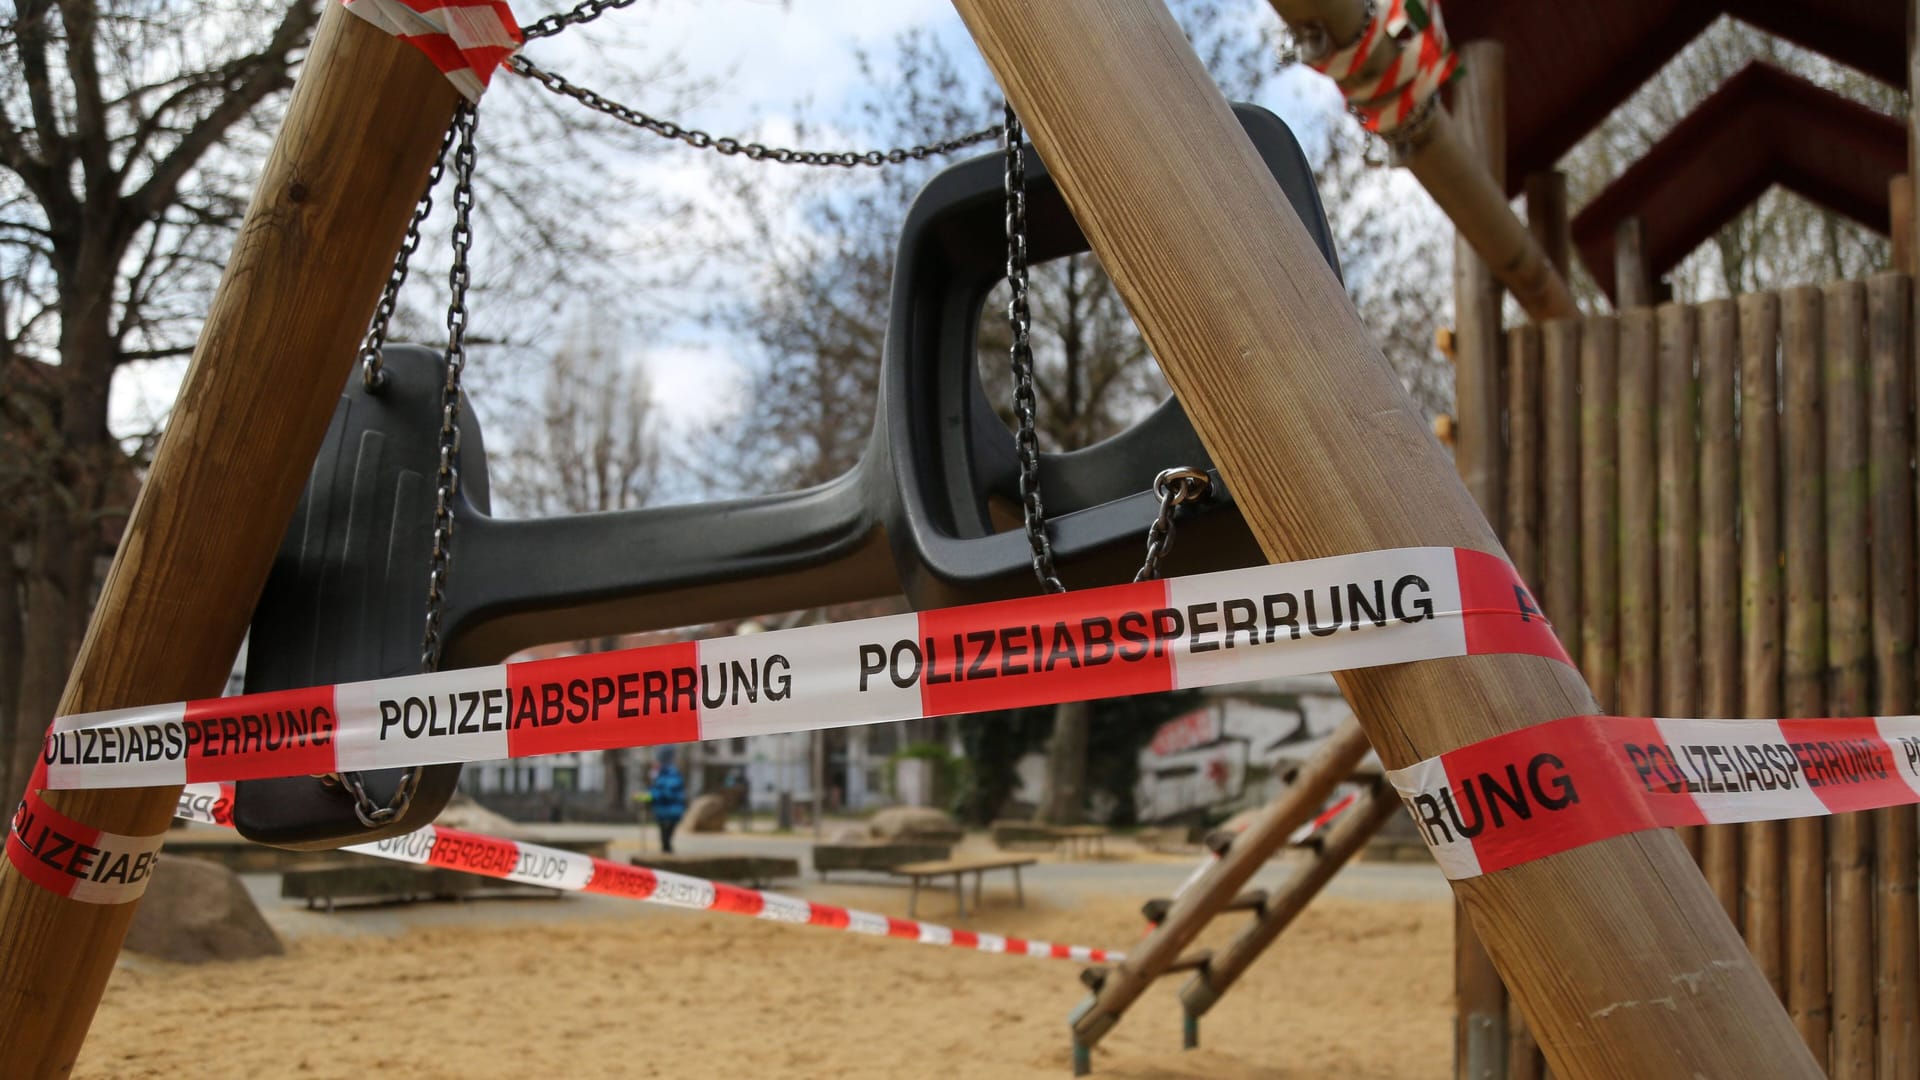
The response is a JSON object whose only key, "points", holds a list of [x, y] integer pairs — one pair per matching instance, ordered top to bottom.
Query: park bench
{"points": [[1085, 841], [977, 866], [332, 882]]}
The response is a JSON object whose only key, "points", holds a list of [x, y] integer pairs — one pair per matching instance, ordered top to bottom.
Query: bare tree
{"points": [[131, 133], [116, 198], [1767, 246], [587, 443]]}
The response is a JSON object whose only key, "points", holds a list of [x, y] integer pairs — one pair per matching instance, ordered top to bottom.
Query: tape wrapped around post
{"points": [[465, 39], [1421, 63], [1348, 611], [1527, 794]]}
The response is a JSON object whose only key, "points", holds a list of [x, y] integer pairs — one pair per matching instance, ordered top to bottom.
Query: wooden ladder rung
{"points": [[1155, 911], [1096, 976]]}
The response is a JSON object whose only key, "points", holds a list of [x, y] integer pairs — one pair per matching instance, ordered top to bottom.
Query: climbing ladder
{"points": [[1219, 889]]}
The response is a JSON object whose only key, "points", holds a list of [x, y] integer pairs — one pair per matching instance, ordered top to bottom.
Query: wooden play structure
{"points": [[1325, 455]]}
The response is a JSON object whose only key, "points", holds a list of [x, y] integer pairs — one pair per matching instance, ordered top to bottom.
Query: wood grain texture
{"points": [[1476, 146], [1632, 285], [1255, 337], [1478, 338], [277, 345], [1803, 451], [1525, 453], [1890, 505], [1600, 508], [1639, 514], [1561, 527], [1719, 561], [1761, 591], [1849, 670]]}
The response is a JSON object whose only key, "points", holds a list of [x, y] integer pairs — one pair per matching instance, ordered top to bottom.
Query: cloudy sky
{"points": [[764, 64]]}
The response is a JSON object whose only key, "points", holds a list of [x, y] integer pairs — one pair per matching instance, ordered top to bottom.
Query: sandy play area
{"points": [[1358, 988]]}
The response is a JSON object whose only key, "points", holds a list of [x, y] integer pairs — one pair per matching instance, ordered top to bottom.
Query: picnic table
{"points": [[977, 866]]}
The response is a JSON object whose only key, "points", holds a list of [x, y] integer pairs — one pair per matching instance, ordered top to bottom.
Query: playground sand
{"points": [[1354, 989]]}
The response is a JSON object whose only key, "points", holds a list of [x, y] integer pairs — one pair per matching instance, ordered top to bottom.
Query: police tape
{"points": [[1348, 611], [1527, 794], [78, 861], [570, 871]]}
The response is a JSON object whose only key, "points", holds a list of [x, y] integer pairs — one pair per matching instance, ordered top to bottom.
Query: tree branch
{"points": [[266, 72]]}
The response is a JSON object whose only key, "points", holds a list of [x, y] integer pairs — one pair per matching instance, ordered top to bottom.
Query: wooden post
{"points": [[1479, 99], [1448, 165], [1547, 216], [1900, 223], [1632, 284], [1256, 336], [278, 342], [1522, 373], [1803, 451], [1525, 452], [1890, 487], [1600, 507], [1639, 514], [1718, 553], [1560, 554], [1678, 572], [1760, 591], [1849, 670], [1342, 842], [1222, 881]]}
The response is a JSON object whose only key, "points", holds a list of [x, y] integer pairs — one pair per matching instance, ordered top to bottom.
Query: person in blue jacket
{"points": [[669, 792]]}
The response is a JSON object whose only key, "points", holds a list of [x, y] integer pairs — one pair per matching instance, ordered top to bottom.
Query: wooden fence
{"points": [[1716, 505]]}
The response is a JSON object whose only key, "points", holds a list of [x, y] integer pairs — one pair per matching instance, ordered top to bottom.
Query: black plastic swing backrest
{"points": [[951, 454], [346, 599]]}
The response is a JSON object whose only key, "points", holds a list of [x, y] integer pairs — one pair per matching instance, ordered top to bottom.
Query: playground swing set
{"points": [[1207, 219]]}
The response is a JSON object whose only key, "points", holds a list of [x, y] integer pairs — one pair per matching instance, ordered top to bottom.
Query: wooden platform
{"points": [[879, 855], [753, 870], [377, 881]]}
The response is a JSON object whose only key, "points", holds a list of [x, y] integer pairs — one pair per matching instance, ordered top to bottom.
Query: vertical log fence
{"points": [[1715, 503]]}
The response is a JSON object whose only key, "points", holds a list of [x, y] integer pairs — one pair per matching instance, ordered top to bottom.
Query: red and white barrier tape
{"points": [[465, 39], [1421, 64], [1348, 611], [1531, 793], [78, 861], [553, 868]]}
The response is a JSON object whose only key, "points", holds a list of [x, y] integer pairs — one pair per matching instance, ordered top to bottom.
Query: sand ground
{"points": [[1357, 988]]}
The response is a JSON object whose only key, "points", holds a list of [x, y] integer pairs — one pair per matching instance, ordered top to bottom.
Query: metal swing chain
{"points": [[560, 20], [722, 144], [372, 374], [1026, 443], [447, 477], [1173, 486]]}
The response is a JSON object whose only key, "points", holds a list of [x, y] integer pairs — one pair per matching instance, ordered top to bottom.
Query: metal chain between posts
{"points": [[581, 13], [721, 144], [372, 374], [447, 476], [1173, 486]]}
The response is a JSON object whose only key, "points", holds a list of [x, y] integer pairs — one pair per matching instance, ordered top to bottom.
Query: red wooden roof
{"points": [[1569, 64], [1763, 127]]}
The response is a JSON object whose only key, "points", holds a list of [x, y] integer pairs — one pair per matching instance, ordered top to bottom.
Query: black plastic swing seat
{"points": [[347, 594]]}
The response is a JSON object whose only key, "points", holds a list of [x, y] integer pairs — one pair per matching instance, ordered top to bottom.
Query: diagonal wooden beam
{"points": [[360, 133], [1619, 954]]}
